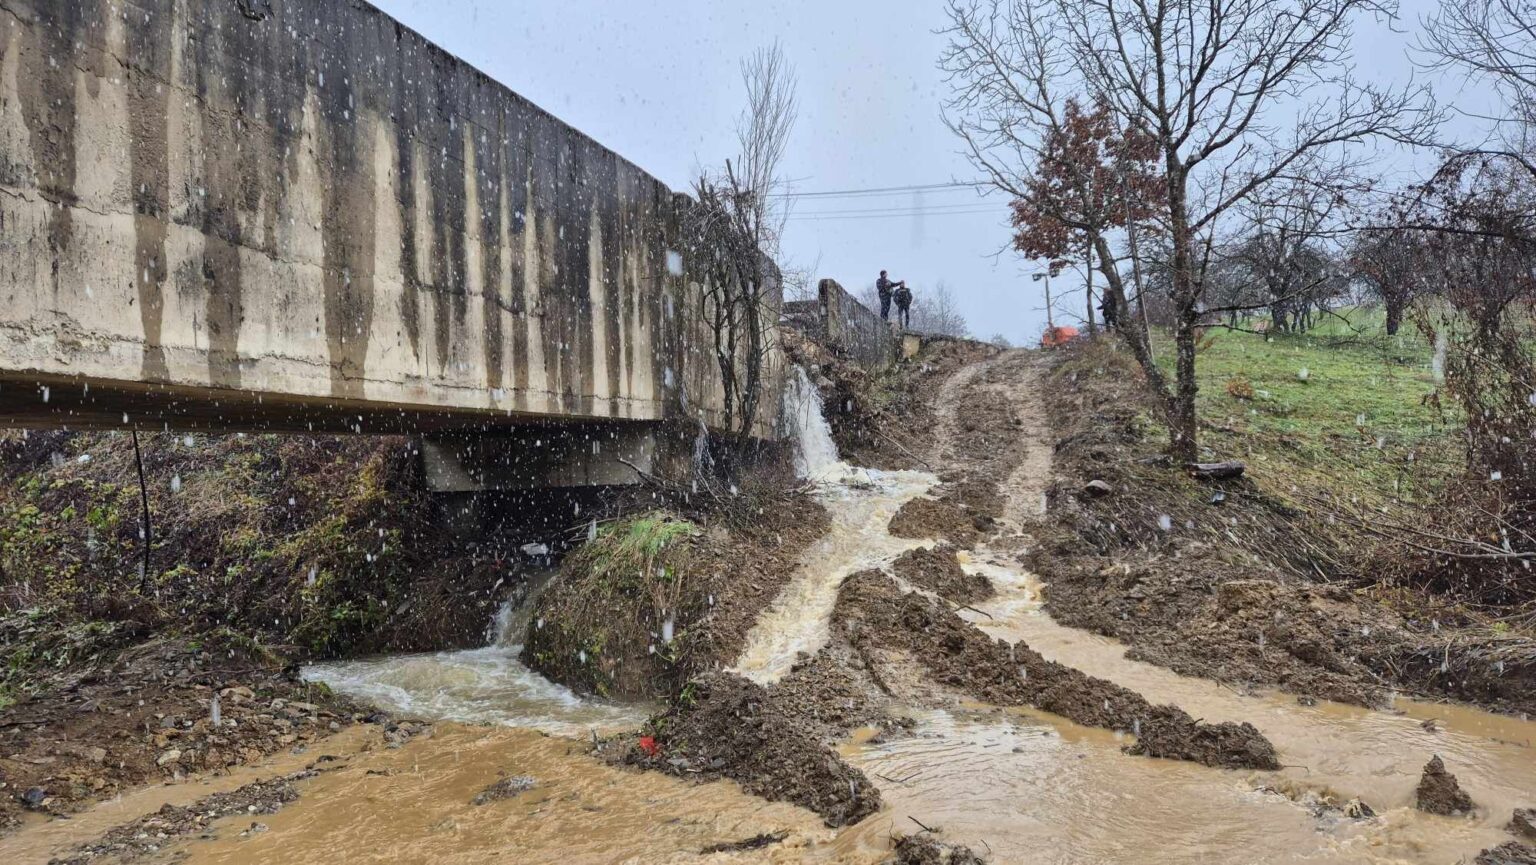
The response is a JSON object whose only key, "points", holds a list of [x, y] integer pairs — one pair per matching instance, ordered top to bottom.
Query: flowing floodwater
{"points": [[860, 503], [489, 685], [1018, 785]]}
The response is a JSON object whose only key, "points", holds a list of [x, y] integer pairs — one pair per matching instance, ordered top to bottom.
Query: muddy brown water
{"points": [[1017, 785]]}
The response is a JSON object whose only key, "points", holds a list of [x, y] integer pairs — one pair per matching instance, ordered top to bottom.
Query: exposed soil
{"points": [[885, 421], [941, 518], [329, 544], [938, 570], [1223, 581], [872, 612], [599, 634], [145, 714], [726, 726], [504, 788], [1439, 793], [1523, 823], [150, 833]]}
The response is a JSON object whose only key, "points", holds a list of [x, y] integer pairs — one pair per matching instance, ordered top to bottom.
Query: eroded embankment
{"points": [[1228, 581], [655, 599], [874, 614]]}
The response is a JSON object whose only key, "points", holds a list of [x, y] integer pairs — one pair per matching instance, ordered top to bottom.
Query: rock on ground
{"points": [[1509, 853]]}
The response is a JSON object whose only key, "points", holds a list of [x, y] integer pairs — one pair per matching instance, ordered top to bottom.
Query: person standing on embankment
{"points": [[884, 287]]}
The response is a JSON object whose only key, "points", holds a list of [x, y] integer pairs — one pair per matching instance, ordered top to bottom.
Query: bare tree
{"points": [[1494, 40], [1234, 94], [733, 236], [1281, 258], [1386, 262], [935, 311]]}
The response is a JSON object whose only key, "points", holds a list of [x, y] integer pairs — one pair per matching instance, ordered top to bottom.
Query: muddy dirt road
{"points": [[1015, 784]]}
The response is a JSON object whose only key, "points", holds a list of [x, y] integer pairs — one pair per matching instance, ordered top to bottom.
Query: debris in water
{"points": [[506, 788], [753, 843]]}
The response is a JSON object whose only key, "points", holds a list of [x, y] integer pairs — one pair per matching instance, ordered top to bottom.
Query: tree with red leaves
{"points": [[1091, 178]]}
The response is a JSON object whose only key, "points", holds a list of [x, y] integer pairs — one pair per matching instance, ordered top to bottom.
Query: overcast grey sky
{"points": [[659, 83]]}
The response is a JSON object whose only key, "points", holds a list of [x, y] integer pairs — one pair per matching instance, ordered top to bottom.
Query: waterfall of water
{"points": [[815, 452]]}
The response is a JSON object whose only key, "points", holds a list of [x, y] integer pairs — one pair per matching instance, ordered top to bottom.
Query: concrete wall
{"points": [[267, 210], [850, 327]]}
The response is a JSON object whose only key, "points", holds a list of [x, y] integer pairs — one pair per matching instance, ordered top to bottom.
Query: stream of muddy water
{"points": [[1017, 785]]}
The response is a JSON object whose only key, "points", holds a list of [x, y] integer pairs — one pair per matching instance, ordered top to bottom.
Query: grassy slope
{"points": [[1359, 424]]}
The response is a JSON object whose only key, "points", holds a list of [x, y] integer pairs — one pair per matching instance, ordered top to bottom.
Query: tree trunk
{"points": [[1088, 265], [1394, 317], [1135, 333], [1182, 424], [1183, 439]]}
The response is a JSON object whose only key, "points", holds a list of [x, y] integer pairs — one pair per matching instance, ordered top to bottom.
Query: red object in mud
{"points": [[1060, 335], [649, 746]]}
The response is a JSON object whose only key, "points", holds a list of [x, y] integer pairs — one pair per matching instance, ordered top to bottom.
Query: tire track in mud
{"points": [[990, 423], [1342, 757]]}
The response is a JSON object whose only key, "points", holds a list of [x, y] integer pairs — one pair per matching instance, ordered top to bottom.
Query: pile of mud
{"points": [[938, 570], [873, 614], [642, 632], [726, 726], [150, 833], [924, 849]]}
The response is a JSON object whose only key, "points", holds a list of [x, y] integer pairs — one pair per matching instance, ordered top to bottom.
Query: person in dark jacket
{"points": [[885, 288], [903, 296]]}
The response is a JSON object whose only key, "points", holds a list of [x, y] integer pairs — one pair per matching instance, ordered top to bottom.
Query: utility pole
{"points": [[1050, 323]]}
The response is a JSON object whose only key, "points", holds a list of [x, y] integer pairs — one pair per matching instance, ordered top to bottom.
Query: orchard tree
{"points": [[1233, 95]]}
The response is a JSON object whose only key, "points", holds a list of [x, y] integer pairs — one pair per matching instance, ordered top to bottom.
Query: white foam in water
{"points": [[815, 452], [860, 503], [477, 686]]}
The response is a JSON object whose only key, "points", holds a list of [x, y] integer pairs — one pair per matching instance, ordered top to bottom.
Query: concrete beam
{"points": [[543, 456]]}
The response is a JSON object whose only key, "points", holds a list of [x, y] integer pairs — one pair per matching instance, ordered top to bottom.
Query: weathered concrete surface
{"points": [[298, 214], [850, 327]]}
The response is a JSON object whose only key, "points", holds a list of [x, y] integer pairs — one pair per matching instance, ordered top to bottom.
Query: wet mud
{"points": [[937, 569], [873, 613], [727, 726]]}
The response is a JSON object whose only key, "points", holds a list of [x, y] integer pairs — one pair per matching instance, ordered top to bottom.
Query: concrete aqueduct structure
{"points": [[300, 215]]}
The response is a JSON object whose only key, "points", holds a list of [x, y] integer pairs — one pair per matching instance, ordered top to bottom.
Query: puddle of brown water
{"points": [[1025, 787], [1074, 796], [580, 811], [42, 840]]}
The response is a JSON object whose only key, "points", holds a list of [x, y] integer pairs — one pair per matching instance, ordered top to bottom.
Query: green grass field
{"points": [[1342, 407]]}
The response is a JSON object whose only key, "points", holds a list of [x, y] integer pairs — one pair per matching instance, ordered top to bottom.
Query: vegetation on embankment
{"points": [[318, 546], [1277, 578], [656, 598]]}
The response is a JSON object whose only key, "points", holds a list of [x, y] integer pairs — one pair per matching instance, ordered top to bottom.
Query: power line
{"points": [[885, 190], [913, 210], [889, 214]]}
